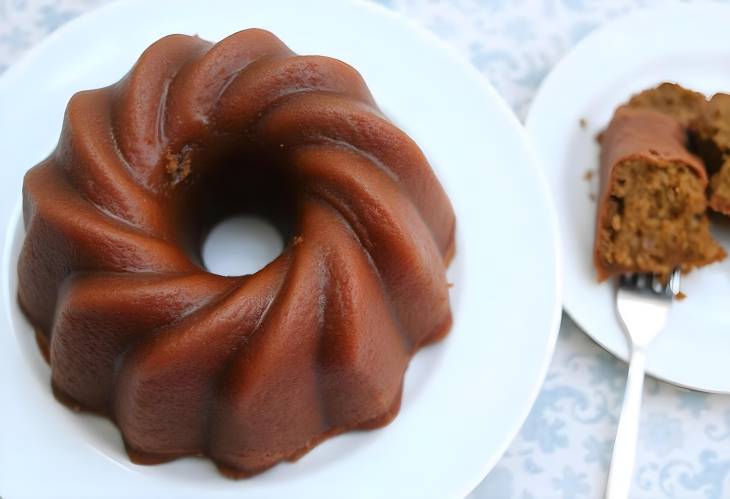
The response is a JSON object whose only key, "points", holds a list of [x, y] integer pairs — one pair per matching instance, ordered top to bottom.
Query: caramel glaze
{"points": [[247, 370]]}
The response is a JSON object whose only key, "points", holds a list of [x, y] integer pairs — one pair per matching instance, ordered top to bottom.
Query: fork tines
{"points": [[651, 282]]}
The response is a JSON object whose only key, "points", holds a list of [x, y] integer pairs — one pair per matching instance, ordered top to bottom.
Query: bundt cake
{"points": [[651, 214], [247, 370]]}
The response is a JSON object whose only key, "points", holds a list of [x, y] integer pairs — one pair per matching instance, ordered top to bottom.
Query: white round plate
{"points": [[688, 44], [464, 398]]}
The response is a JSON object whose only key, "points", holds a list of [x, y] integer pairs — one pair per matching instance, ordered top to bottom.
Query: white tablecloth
{"points": [[564, 448]]}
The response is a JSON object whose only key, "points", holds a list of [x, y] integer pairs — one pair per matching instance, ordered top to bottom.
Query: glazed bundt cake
{"points": [[651, 214], [248, 370]]}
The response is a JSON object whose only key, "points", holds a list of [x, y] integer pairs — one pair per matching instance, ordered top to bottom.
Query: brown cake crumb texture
{"points": [[674, 100], [711, 137], [720, 187], [655, 219]]}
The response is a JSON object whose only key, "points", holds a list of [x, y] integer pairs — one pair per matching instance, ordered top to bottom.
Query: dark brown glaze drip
{"points": [[252, 370]]}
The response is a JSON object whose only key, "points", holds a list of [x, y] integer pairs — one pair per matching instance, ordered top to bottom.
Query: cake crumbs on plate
{"points": [[583, 123]]}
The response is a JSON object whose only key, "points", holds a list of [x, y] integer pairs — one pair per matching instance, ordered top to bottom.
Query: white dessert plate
{"points": [[687, 44], [464, 398]]}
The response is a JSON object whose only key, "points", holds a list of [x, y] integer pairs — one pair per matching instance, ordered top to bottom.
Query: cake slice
{"points": [[684, 105], [711, 136], [652, 206]]}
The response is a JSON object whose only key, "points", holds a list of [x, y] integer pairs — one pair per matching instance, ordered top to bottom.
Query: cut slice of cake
{"points": [[684, 105], [711, 137], [652, 206]]}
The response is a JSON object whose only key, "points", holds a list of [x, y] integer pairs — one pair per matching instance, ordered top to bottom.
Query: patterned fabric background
{"points": [[564, 448]]}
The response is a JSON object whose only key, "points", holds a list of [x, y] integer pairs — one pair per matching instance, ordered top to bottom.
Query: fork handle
{"points": [[621, 472]]}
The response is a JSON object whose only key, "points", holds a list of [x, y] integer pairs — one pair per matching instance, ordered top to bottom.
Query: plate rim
{"points": [[19, 67]]}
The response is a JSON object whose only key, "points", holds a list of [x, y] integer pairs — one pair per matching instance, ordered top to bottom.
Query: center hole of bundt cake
{"points": [[238, 213], [241, 244]]}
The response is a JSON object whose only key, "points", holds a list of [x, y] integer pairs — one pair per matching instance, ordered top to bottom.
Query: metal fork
{"points": [[643, 303]]}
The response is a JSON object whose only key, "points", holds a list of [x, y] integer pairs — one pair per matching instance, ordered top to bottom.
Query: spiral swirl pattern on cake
{"points": [[246, 370]]}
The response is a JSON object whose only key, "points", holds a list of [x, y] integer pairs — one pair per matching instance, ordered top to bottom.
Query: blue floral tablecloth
{"points": [[564, 448]]}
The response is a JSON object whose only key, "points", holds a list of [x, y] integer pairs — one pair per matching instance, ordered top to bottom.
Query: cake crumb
{"points": [[583, 123], [178, 166], [588, 176], [680, 296]]}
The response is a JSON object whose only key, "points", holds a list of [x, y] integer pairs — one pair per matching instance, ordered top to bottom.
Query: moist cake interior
{"points": [[655, 219]]}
